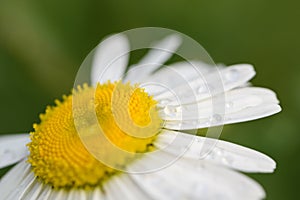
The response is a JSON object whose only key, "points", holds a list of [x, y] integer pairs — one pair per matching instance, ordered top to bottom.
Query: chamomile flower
{"points": [[123, 138]]}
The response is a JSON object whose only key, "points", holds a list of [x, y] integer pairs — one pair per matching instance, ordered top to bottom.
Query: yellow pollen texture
{"points": [[127, 117]]}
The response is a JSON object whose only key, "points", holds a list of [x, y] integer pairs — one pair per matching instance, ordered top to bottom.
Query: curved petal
{"points": [[160, 52], [110, 59], [176, 74], [218, 81], [236, 100], [247, 114], [13, 148], [219, 152], [191, 179], [15, 183], [20, 183], [122, 187], [35, 191], [43, 191], [45, 194], [59, 194], [97, 194]]}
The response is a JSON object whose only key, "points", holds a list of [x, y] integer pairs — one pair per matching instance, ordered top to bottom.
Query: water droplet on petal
{"points": [[232, 75], [202, 89], [229, 104], [173, 110], [216, 119], [219, 152], [8, 154]]}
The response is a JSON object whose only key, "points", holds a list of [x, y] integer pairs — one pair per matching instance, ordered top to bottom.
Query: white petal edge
{"points": [[159, 53], [110, 59], [176, 74], [218, 81], [234, 101], [247, 114], [13, 148], [216, 151], [190, 179], [14, 182], [20, 183], [121, 186], [34, 191], [45, 192], [98, 194]]}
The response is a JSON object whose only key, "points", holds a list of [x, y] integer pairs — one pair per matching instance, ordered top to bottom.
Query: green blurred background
{"points": [[42, 44]]}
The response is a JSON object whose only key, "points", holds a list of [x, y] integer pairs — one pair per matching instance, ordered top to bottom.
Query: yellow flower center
{"points": [[127, 117]]}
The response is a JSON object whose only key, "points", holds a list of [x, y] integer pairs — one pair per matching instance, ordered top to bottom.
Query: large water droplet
{"points": [[232, 75]]}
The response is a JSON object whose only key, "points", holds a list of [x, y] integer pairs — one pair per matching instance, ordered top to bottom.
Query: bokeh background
{"points": [[42, 44]]}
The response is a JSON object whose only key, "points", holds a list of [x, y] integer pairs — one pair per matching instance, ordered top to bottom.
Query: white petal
{"points": [[160, 52], [110, 59], [176, 74], [237, 75], [218, 81], [234, 101], [252, 113], [247, 114], [13, 148], [216, 151], [156, 160], [190, 179], [15, 183], [20, 183], [122, 187], [34, 191], [42, 191], [45, 192], [58, 194], [72, 194], [80, 194], [98, 194]]}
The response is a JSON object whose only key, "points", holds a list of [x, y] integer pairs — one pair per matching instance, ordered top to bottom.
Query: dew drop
{"points": [[232, 75], [202, 89], [229, 104], [173, 110], [216, 118], [219, 152], [7, 154], [227, 160]]}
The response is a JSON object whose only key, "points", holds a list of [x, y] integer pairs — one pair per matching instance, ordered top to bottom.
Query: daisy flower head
{"points": [[130, 132]]}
